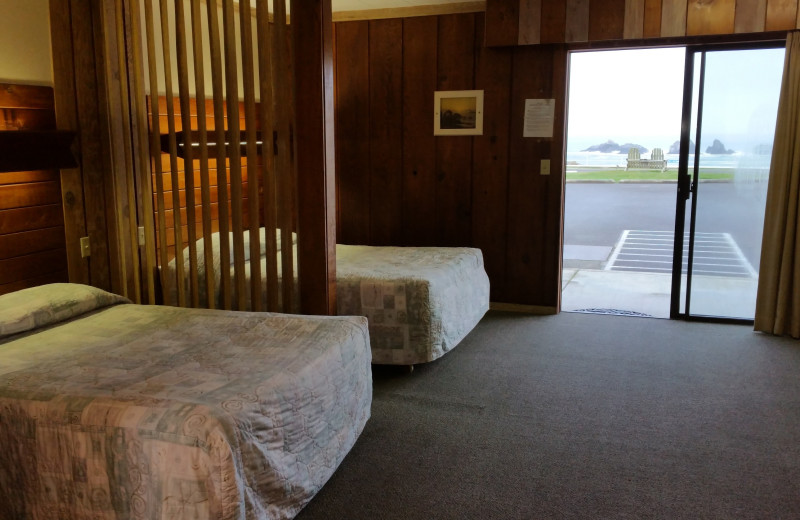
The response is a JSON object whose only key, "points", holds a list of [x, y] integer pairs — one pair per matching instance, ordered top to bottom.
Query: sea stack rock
{"points": [[676, 147], [717, 148]]}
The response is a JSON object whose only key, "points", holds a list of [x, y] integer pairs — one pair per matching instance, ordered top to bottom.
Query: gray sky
{"points": [[636, 95]]}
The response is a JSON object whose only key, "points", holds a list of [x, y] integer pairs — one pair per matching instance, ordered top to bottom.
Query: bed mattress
{"points": [[420, 301], [111, 410]]}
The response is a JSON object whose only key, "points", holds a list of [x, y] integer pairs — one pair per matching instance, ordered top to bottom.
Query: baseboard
{"points": [[527, 309]]}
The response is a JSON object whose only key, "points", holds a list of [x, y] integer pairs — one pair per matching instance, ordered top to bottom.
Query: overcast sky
{"points": [[636, 95]]}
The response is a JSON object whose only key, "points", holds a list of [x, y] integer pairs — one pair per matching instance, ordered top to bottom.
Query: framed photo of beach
{"points": [[458, 112]]}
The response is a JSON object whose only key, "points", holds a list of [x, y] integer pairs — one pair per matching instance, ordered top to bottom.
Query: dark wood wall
{"points": [[525, 22], [400, 185], [32, 242]]}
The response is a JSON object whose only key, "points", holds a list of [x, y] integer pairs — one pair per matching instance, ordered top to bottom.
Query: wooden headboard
{"points": [[32, 241]]}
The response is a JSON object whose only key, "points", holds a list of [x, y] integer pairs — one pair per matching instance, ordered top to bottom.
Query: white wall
{"points": [[25, 55]]}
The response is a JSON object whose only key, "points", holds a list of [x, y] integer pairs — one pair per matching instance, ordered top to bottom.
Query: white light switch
{"points": [[545, 168]]}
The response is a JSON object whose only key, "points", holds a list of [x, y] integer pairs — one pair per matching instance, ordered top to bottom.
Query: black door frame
{"points": [[688, 181]]}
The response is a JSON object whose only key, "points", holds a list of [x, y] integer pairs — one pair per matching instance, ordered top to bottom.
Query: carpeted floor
{"points": [[581, 416]]}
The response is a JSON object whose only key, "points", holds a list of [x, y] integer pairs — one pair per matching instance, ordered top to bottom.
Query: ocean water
{"points": [[610, 160]]}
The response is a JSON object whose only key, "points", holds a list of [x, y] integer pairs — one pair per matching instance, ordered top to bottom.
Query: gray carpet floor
{"points": [[581, 416]]}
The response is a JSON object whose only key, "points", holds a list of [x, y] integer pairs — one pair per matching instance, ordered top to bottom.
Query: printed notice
{"points": [[539, 115]]}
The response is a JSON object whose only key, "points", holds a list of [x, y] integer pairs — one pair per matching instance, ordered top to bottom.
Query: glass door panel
{"points": [[734, 106]]}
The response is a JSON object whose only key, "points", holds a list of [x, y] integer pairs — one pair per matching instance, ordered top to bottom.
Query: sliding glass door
{"points": [[730, 105]]}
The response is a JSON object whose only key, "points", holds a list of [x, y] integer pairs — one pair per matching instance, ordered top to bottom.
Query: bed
{"points": [[420, 301], [113, 410]]}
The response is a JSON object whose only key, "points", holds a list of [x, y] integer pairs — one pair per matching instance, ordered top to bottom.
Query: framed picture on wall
{"points": [[458, 112]]}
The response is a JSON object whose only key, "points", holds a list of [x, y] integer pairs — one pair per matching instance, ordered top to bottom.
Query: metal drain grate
{"points": [[715, 254], [614, 312]]}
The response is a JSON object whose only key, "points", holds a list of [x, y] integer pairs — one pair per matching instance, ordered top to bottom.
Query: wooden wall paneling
{"points": [[782, 15], [750, 16], [673, 17], [710, 17], [606, 19], [634, 19], [652, 19], [554, 21], [577, 21], [502, 22], [530, 22], [420, 35], [215, 48], [181, 51], [456, 71], [26, 96], [200, 105], [67, 118], [27, 119], [353, 127], [90, 139], [141, 146], [155, 146], [173, 148], [385, 149], [234, 153], [315, 154], [267, 161], [490, 162], [288, 171], [554, 185], [29, 194], [253, 197], [17, 220], [27, 242], [525, 252], [33, 269]]}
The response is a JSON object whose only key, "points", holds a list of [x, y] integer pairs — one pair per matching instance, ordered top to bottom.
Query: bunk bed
{"points": [[420, 301], [112, 410]]}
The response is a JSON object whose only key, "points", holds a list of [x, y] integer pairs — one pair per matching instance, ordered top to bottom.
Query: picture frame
{"points": [[458, 112]]}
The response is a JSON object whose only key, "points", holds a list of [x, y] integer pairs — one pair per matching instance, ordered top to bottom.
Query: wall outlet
{"points": [[545, 167], [86, 249]]}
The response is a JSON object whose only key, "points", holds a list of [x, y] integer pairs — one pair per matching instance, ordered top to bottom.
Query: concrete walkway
{"points": [[649, 293]]}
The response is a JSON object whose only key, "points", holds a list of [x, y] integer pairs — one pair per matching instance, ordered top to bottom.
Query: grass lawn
{"points": [[620, 174]]}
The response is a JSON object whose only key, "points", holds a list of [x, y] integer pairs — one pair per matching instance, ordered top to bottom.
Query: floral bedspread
{"points": [[129, 411]]}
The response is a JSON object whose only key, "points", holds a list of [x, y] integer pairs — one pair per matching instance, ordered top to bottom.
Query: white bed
{"points": [[420, 301], [110, 410]]}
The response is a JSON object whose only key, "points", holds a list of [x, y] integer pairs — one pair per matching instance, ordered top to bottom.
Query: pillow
{"points": [[45, 305]]}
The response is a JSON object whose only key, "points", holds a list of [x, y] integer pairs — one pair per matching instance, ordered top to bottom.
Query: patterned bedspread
{"points": [[420, 301], [128, 411]]}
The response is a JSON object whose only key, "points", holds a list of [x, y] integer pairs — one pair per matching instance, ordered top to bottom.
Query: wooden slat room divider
{"points": [[222, 167]]}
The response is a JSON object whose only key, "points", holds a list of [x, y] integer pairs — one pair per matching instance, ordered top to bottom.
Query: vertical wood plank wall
{"points": [[519, 22], [400, 185], [32, 239]]}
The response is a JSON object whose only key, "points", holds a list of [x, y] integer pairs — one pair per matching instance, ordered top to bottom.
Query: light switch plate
{"points": [[545, 167], [86, 249]]}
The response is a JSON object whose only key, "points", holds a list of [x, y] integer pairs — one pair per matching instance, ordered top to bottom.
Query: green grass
{"points": [[619, 174]]}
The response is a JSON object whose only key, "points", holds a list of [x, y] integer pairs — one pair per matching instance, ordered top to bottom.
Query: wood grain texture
{"points": [[782, 15], [750, 16], [673, 17], [710, 17], [652, 18], [606, 19], [634, 19], [554, 21], [577, 21], [502, 22], [530, 22], [420, 35], [456, 57], [67, 119], [353, 129], [385, 148], [315, 157], [490, 163], [30, 218], [34, 241], [525, 252], [34, 265]]}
